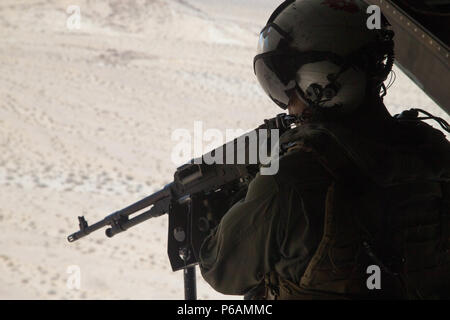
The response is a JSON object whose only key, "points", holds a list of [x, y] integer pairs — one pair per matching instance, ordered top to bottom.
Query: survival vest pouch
{"points": [[396, 218]]}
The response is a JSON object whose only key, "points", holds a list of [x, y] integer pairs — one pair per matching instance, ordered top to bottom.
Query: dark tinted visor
{"points": [[272, 38], [268, 67], [276, 84]]}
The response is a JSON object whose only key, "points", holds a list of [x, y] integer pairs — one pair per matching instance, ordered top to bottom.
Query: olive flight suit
{"points": [[341, 201]]}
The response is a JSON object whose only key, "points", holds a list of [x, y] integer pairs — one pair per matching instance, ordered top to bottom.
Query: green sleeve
{"points": [[243, 247]]}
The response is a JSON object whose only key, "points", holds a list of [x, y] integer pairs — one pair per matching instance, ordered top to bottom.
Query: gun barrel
{"points": [[144, 203], [157, 210], [122, 215], [84, 231]]}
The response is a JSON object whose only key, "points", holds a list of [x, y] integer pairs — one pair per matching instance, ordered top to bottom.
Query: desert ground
{"points": [[86, 117]]}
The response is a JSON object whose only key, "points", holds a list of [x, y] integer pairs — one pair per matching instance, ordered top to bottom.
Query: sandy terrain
{"points": [[86, 118]]}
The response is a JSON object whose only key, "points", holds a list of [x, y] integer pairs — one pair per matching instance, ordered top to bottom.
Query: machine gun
{"points": [[198, 197]]}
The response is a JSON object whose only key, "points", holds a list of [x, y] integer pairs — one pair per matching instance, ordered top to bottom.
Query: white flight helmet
{"points": [[323, 51]]}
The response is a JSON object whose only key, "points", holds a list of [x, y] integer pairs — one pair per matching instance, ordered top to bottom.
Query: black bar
{"points": [[151, 199], [157, 210], [190, 284]]}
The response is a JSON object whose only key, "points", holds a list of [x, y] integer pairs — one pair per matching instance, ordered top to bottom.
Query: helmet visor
{"points": [[271, 38], [277, 63], [269, 67], [276, 83]]}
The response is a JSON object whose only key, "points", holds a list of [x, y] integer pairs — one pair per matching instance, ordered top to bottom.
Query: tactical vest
{"points": [[387, 210]]}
